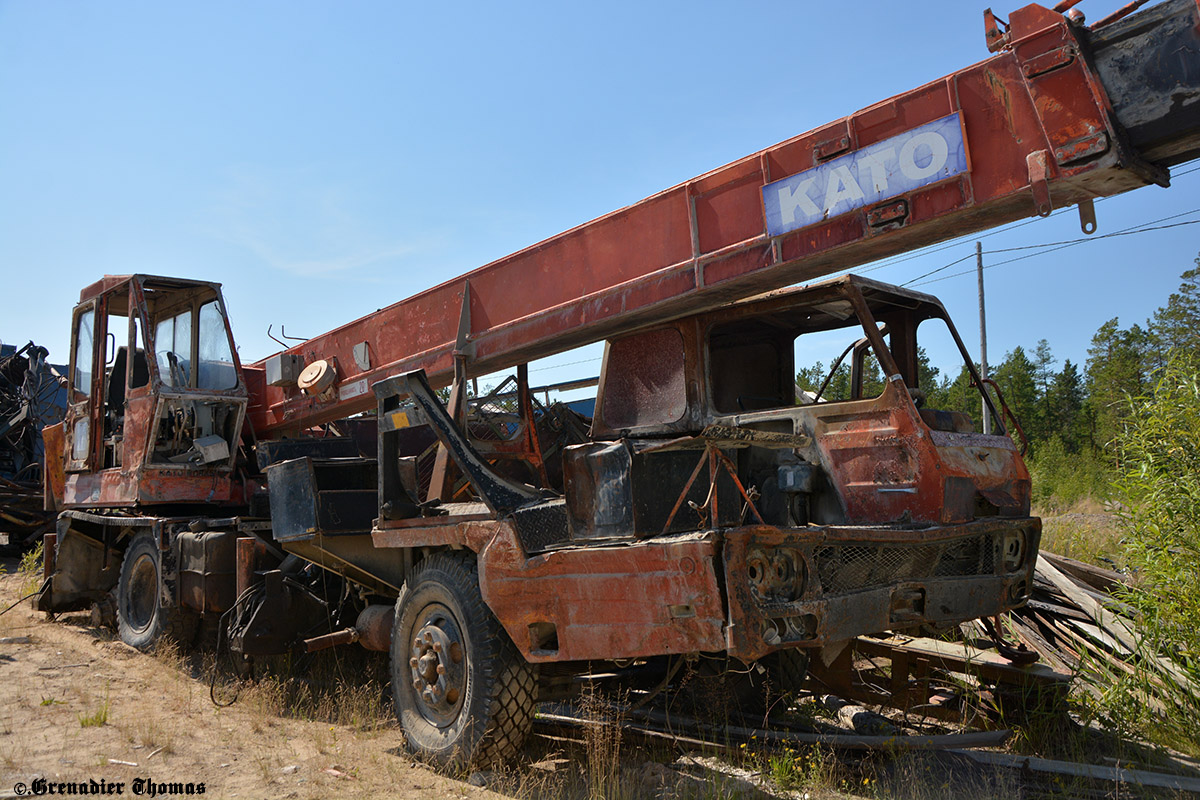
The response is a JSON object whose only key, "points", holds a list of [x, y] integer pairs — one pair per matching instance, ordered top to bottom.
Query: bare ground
{"points": [[162, 726]]}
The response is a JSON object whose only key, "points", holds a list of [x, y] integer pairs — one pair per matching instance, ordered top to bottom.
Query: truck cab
{"points": [[157, 397], [846, 510]]}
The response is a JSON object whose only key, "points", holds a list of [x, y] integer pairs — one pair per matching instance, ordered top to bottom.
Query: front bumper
{"points": [[813, 586]]}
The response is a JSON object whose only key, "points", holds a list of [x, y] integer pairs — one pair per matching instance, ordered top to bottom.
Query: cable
{"points": [[1122, 232], [1064, 246], [926, 251], [939, 269], [568, 364], [22, 600]]}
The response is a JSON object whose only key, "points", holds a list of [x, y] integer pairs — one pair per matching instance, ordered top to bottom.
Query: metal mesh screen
{"points": [[848, 568]]}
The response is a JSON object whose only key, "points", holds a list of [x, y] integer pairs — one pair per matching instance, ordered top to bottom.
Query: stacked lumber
{"points": [[1077, 626]]}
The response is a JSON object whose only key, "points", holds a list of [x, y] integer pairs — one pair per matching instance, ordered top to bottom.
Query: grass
{"points": [[1085, 531], [30, 570], [339, 688], [98, 717], [803, 768]]}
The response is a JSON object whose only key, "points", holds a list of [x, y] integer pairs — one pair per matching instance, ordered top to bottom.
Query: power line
{"points": [[1049, 247], [1063, 247], [927, 251], [568, 364]]}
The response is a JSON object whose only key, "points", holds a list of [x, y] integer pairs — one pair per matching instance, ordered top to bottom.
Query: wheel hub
{"points": [[438, 668]]}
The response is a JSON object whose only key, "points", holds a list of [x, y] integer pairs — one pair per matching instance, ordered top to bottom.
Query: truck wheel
{"points": [[142, 617], [788, 669], [728, 687], [464, 695]]}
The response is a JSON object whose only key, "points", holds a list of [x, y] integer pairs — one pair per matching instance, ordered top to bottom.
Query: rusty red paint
{"points": [[703, 242], [641, 599]]}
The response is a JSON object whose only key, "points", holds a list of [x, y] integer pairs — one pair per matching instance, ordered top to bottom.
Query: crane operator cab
{"points": [[157, 396]]}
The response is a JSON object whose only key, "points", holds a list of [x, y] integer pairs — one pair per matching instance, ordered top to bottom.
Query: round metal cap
{"points": [[316, 377]]}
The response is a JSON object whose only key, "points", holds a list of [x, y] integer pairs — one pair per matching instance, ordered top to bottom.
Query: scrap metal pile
{"points": [[32, 396]]}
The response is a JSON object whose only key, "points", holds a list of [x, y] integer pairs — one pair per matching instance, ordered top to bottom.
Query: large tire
{"points": [[145, 615], [747, 693], [464, 695]]}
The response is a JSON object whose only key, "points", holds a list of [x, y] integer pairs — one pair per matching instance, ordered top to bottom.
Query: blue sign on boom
{"points": [[922, 156]]}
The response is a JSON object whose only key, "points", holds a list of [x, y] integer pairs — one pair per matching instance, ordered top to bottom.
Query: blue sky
{"points": [[324, 159]]}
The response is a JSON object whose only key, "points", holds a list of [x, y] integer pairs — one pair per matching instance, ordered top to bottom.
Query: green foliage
{"points": [[1174, 326], [1116, 370], [1016, 378], [840, 385], [1062, 478], [1159, 484], [31, 570], [99, 717]]}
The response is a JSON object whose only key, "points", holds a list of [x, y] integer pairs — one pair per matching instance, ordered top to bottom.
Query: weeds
{"points": [[30, 570], [338, 688], [99, 717], [603, 740], [804, 768]]}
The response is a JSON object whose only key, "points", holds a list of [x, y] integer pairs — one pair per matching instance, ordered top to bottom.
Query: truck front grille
{"points": [[849, 568]]}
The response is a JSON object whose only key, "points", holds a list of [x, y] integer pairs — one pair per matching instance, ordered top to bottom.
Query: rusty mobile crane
{"points": [[496, 547]]}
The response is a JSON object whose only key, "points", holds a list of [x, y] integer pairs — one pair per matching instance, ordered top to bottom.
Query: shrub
{"points": [[1062, 479], [1158, 484]]}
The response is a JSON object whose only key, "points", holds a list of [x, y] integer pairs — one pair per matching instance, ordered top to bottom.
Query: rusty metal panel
{"points": [[644, 380], [207, 570], [642, 599]]}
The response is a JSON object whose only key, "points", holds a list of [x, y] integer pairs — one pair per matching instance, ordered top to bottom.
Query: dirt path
{"points": [[161, 725]]}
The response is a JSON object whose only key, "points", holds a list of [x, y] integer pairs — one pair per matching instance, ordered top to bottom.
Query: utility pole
{"points": [[983, 367]]}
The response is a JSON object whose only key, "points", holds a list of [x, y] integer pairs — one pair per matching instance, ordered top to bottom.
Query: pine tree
{"points": [[1176, 326], [1116, 369], [1015, 377], [1064, 409]]}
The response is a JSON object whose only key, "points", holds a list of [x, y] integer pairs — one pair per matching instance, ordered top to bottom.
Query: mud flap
{"points": [[85, 572]]}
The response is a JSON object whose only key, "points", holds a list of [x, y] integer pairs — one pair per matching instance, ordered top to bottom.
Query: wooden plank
{"points": [[1098, 578], [1113, 625], [961, 658]]}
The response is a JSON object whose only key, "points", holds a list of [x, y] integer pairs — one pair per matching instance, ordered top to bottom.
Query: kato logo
{"points": [[922, 156]]}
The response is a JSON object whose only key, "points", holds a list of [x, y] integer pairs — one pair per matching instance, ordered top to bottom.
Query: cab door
{"points": [[81, 389]]}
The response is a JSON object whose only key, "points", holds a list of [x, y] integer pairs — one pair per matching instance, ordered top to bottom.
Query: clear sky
{"points": [[324, 159]]}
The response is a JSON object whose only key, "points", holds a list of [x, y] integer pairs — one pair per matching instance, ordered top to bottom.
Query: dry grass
{"points": [[1086, 532], [338, 688]]}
